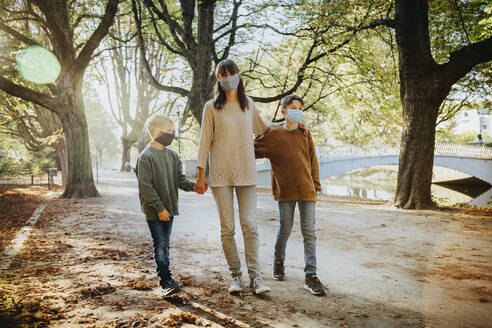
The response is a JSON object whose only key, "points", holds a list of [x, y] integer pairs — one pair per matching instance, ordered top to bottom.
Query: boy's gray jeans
{"points": [[246, 197], [307, 213]]}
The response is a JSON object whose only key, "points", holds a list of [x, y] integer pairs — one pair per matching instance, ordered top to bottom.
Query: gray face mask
{"points": [[230, 83]]}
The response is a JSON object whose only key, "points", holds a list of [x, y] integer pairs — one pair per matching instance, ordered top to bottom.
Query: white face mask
{"points": [[230, 83], [295, 115]]}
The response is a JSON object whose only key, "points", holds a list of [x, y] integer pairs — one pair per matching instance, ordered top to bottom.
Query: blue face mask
{"points": [[230, 83], [295, 115]]}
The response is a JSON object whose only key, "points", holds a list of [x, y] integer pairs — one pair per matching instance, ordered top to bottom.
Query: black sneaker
{"points": [[278, 271], [313, 284], [170, 287]]}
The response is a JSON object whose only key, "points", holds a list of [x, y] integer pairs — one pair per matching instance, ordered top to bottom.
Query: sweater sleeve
{"points": [[259, 126], [206, 135], [261, 146], [314, 164], [183, 182], [146, 186]]}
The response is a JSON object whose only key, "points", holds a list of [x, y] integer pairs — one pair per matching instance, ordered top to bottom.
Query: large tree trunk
{"points": [[203, 76], [424, 85], [201, 92], [421, 93], [417, 153], [125, 156], [80, 180]]}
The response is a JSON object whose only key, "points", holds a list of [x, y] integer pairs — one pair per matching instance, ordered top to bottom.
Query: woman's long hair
{"points": [[223, 68]]}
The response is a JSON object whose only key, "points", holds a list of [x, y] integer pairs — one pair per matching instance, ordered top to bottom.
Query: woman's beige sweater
{"points": [[227, 134]]}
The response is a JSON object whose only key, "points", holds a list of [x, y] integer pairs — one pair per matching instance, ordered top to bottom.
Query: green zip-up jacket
{"points": [[160, 174]]}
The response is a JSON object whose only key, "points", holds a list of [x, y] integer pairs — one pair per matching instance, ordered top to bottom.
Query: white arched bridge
{"points": [[470, 159]]}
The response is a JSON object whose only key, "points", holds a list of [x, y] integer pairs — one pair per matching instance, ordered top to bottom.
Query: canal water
{"points": [[379, 183]]}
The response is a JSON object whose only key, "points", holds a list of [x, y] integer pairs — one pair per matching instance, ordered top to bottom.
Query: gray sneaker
{"points": [[237, 285], [258, 287]]}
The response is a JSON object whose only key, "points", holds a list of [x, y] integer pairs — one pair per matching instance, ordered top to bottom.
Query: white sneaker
{"points": [[237, 285], [258, 287]]}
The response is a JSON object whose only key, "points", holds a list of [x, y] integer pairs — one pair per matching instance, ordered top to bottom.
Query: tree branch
{"points": [[461, 20], [391, 23], [174, 27], [102, 29], [18, 35], [232, 37], [164, 42], [463, 60], [146, 67], [300, 73], [29, 95]]}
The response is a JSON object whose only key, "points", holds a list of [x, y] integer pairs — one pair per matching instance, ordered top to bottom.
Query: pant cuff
{"points": [[236, 274]]}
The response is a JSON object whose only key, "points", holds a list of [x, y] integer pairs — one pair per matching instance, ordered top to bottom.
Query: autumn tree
{"points": [[73, 32], [205, 32], [439, 65], [425, 84], [131, 98]]}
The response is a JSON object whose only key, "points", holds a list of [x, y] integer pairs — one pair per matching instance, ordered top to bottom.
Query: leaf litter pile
{"points": [[17, 203], [71, 273]]}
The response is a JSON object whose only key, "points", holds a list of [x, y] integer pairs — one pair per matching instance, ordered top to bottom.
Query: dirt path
{"points": [[89, 264]]}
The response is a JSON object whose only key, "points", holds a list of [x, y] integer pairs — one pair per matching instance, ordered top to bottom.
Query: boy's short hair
{"points": [[287, 100], [157, 121]]}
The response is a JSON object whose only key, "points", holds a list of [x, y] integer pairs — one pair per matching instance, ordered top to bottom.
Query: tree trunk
{"points": [[203, 80], [424, 85], [201, 92], [421, 94], [417, 153], [125, 156], [80, 180]]}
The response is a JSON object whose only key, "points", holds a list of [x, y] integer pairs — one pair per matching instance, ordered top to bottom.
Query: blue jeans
{"points": [[306, 211], [161, 233]]}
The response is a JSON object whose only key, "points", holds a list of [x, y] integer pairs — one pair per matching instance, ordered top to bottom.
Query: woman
{"points": [[228, 124]]}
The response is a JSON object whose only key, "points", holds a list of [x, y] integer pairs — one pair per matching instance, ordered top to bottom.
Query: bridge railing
{"points": [[451, 150], [347, 151], [467, 151]]}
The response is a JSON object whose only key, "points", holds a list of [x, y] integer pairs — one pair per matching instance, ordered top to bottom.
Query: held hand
{"points": [[304, 129], [201, 185], [199, 190], [164, 216]]}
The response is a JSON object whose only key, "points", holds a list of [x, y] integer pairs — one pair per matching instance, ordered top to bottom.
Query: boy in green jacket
{"points": [[159, 173], [295, 181]]}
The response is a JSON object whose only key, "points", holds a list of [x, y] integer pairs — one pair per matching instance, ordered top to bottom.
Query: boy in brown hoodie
{"points": [[295, 180]]}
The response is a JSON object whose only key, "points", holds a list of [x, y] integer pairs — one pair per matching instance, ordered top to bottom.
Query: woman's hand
{"points": [[304, 129], [201, 183], [199, 189]]}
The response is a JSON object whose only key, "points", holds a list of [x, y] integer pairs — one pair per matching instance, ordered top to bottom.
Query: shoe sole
{"points": [[279, 278], [306, 287], [262, 291], [172, 292], [235, 292]]}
